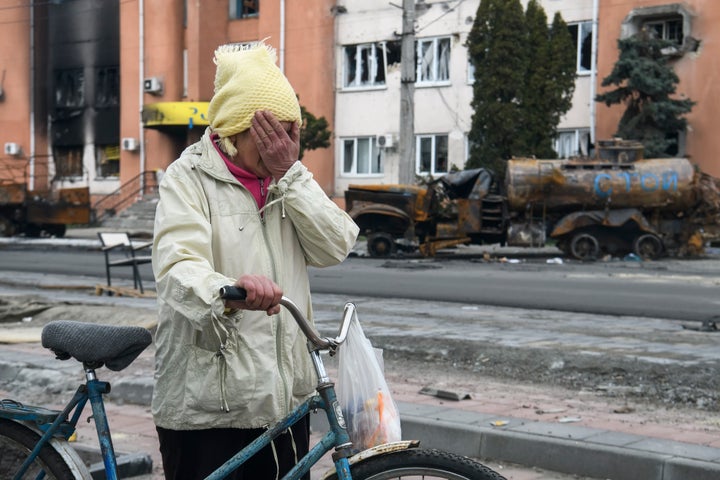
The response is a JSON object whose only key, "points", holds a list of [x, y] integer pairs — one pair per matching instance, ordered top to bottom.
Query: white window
{"points": [[582, 38], [433, 60], [364, 65], [470, 72], [573, 143], [431, 154], [361, 156]]}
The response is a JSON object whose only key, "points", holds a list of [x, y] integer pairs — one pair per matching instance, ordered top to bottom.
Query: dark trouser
{"points": [[195, 454]]}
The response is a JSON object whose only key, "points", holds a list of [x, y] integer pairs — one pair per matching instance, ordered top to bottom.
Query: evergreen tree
{"points": [[496, 49], [524, 81], [560, 81], [644, 82], [533, 97], [314, 132]]}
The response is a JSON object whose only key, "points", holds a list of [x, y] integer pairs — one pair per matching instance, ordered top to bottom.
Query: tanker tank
{"points": [[595, 184]]}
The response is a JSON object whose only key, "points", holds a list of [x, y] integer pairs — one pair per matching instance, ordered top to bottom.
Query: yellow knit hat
{"points": [[247, 80]]}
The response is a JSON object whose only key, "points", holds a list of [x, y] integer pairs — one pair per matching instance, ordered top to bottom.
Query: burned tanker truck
{"points": [[612, 204]]}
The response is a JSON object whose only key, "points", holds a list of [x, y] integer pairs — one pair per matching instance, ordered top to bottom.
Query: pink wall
{"points": [[699, 74]]}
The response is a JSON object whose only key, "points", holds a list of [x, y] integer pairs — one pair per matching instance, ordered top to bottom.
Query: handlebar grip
{"points": [[231, 292]]}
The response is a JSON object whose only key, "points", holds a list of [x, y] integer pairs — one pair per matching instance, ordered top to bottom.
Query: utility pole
{"points": [[406, 142]]}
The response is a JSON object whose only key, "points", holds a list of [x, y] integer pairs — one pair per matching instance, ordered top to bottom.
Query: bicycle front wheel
{"points": [[16, 443], [421, 464]]}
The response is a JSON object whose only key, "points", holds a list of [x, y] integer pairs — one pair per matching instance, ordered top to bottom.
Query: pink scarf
{"points": [[255, 185]]}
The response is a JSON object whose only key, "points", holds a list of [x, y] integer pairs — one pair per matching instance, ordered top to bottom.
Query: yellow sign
{"points": [[173, 114]]}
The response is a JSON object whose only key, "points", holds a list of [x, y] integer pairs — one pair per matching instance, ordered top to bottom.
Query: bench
{"points": [[121, 252]]}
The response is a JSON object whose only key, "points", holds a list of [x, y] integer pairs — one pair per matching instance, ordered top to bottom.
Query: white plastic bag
{"points": [[370, 413]]}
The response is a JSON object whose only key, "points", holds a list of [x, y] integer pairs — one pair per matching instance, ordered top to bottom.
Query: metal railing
{"points": [[145, 183]]}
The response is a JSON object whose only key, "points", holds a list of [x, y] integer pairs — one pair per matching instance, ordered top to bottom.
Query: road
{"points": [[671, 289]]}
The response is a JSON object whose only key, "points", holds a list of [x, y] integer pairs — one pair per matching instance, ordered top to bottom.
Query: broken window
{"points": [[244, 8], [671, 22], [670, 29], [582, 38], [393, 53], [433, 60], [364, 65], [107, 87], [69, 88], [573, 143], [431, 154], [361, 156], [68, 161], [107, 161]]}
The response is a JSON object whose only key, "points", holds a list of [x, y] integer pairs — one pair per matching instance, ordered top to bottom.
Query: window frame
{"points": [[244, 10], [640, 17], [663, 22], [584, 26], [437, 58], [376, 62], [67, 79], [107, 87], [579, 134], [374, 152], [107, 155], [73, 169], [433, 171]]}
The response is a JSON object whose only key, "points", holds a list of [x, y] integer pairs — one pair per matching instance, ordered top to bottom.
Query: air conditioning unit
{"points": [[153, 85], [384, 140], [129, 144], [12, 148]]}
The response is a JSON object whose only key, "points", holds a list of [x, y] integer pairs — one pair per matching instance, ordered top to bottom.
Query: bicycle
{"points": [[34, 440]]}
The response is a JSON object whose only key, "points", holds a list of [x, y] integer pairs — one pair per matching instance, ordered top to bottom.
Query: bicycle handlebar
{"points": [[231, 292]]}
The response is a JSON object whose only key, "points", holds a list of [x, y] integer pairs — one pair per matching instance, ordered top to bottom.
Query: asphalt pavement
{"points": [[463, 427]]}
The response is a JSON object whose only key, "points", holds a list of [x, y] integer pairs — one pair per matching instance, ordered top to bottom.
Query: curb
{"points": [[559, 448], [580, 451], [128, 464]]}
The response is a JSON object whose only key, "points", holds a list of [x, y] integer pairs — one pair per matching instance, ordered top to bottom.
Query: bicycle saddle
{"points": [[94, 344]]}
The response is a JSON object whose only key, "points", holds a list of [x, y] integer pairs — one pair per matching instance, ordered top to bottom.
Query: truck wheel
{"points": [[7, 229], [33, 230], [56, 230], [380, 245], [584, 246], [648, 246]]}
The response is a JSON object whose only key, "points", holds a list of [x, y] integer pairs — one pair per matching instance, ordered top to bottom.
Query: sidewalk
{"points": [[463, 427]]}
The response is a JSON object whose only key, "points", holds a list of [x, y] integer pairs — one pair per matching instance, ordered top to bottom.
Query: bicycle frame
{"points": [[61, 424], [336, 437]]}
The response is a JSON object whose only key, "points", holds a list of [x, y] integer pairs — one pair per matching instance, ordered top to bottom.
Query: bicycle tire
{"points": [[16, 443], [421, 463]]}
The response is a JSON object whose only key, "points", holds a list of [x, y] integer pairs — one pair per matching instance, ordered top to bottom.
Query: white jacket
{"points": [[242, 369]]}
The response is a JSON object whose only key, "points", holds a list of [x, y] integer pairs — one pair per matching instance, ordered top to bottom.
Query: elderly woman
{"points": [[238, 208]]}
